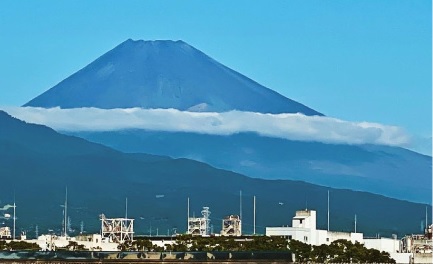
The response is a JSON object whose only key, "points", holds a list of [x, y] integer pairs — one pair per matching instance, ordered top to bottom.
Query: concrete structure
{"points": [[200, 226], [231, 226], [304, 229], [117, 230], [5, 232], [162, 241], [92, 242], [95, 242], [391, 245], [419, 246], [411, 249]]}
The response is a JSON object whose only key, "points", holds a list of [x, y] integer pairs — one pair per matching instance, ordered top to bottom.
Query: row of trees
{"points": [[185, 243], [18, 245], [339, 251]]}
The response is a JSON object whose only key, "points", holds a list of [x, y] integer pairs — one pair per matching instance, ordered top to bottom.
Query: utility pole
{"points": [[240, 204], [328, 210], [66, 211], [187, 220], [355, 223], [254, 229], [13, 238]]}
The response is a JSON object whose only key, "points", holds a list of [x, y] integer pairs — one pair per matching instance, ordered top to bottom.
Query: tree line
{"points": [[185, 243], [18, 245], [339, 251]]}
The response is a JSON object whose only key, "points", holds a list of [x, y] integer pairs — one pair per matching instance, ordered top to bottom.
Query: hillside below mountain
{"points": [[164, 74], [37, 163], [390, 171]]}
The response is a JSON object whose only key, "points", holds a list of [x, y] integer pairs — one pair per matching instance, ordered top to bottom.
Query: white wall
{"points": [[301, 234], [338, 235], [357, 237], [51, 242], [163, 243], [383, 244], [403, 258], [422, 258]]}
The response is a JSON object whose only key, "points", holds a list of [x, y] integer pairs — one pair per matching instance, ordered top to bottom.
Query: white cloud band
{"points": [[288, 126]]}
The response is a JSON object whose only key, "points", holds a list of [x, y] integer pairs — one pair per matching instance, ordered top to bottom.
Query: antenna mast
{"points": [[240, 204], [126, 207], [66, 211], [328, 211], [14, 217], [187, 219], [355, 223], [254, 229]]}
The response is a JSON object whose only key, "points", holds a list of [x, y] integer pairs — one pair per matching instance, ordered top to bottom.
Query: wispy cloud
{"points": [[288, 126], [6, 207]]}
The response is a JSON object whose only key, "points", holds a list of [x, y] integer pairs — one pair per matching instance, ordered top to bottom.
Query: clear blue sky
{"points": [[354, 60]]}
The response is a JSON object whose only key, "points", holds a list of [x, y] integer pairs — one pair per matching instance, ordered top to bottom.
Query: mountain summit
{"points": [[164, 74]]}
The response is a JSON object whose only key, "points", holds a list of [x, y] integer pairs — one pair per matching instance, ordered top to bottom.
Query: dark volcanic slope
{"points": [[164, 74], [38, 163], [390, 171]]}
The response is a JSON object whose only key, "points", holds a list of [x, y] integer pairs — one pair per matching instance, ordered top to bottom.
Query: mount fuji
{"points": [[164, 74], [173, 74]]}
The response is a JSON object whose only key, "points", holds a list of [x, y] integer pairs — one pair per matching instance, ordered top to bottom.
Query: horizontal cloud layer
{"points": [[288, 126]]}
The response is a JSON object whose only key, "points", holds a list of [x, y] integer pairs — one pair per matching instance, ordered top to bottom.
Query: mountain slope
{"points": [[164, 74], [38, 163], [390, 171]]}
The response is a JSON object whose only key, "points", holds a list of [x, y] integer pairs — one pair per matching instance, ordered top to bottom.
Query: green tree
{"points": [[3, 245], [22, 245], [142, 245], [301, 250], [339, 251], [320, 254]]}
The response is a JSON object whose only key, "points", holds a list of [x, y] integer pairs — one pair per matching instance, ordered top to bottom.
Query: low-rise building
{"points": [[304, 229], [412, 249]]}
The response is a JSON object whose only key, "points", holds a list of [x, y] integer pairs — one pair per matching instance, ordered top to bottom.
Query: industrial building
{"points": [[200, 226], [231, 226], [304, 229], [117, 230], [5, 232], [411, 249]]}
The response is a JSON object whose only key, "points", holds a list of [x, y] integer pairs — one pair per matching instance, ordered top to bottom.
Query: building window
{"points": [[300, 221], [290, 237], [305, 238], [327, 239]]}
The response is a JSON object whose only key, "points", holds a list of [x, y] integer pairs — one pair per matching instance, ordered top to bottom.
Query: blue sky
{"points": [[353, 60]]}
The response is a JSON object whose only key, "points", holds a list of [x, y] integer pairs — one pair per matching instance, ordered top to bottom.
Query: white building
{"points": [[304, 229], [5, 232], [94, 242], [420, 247]]}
